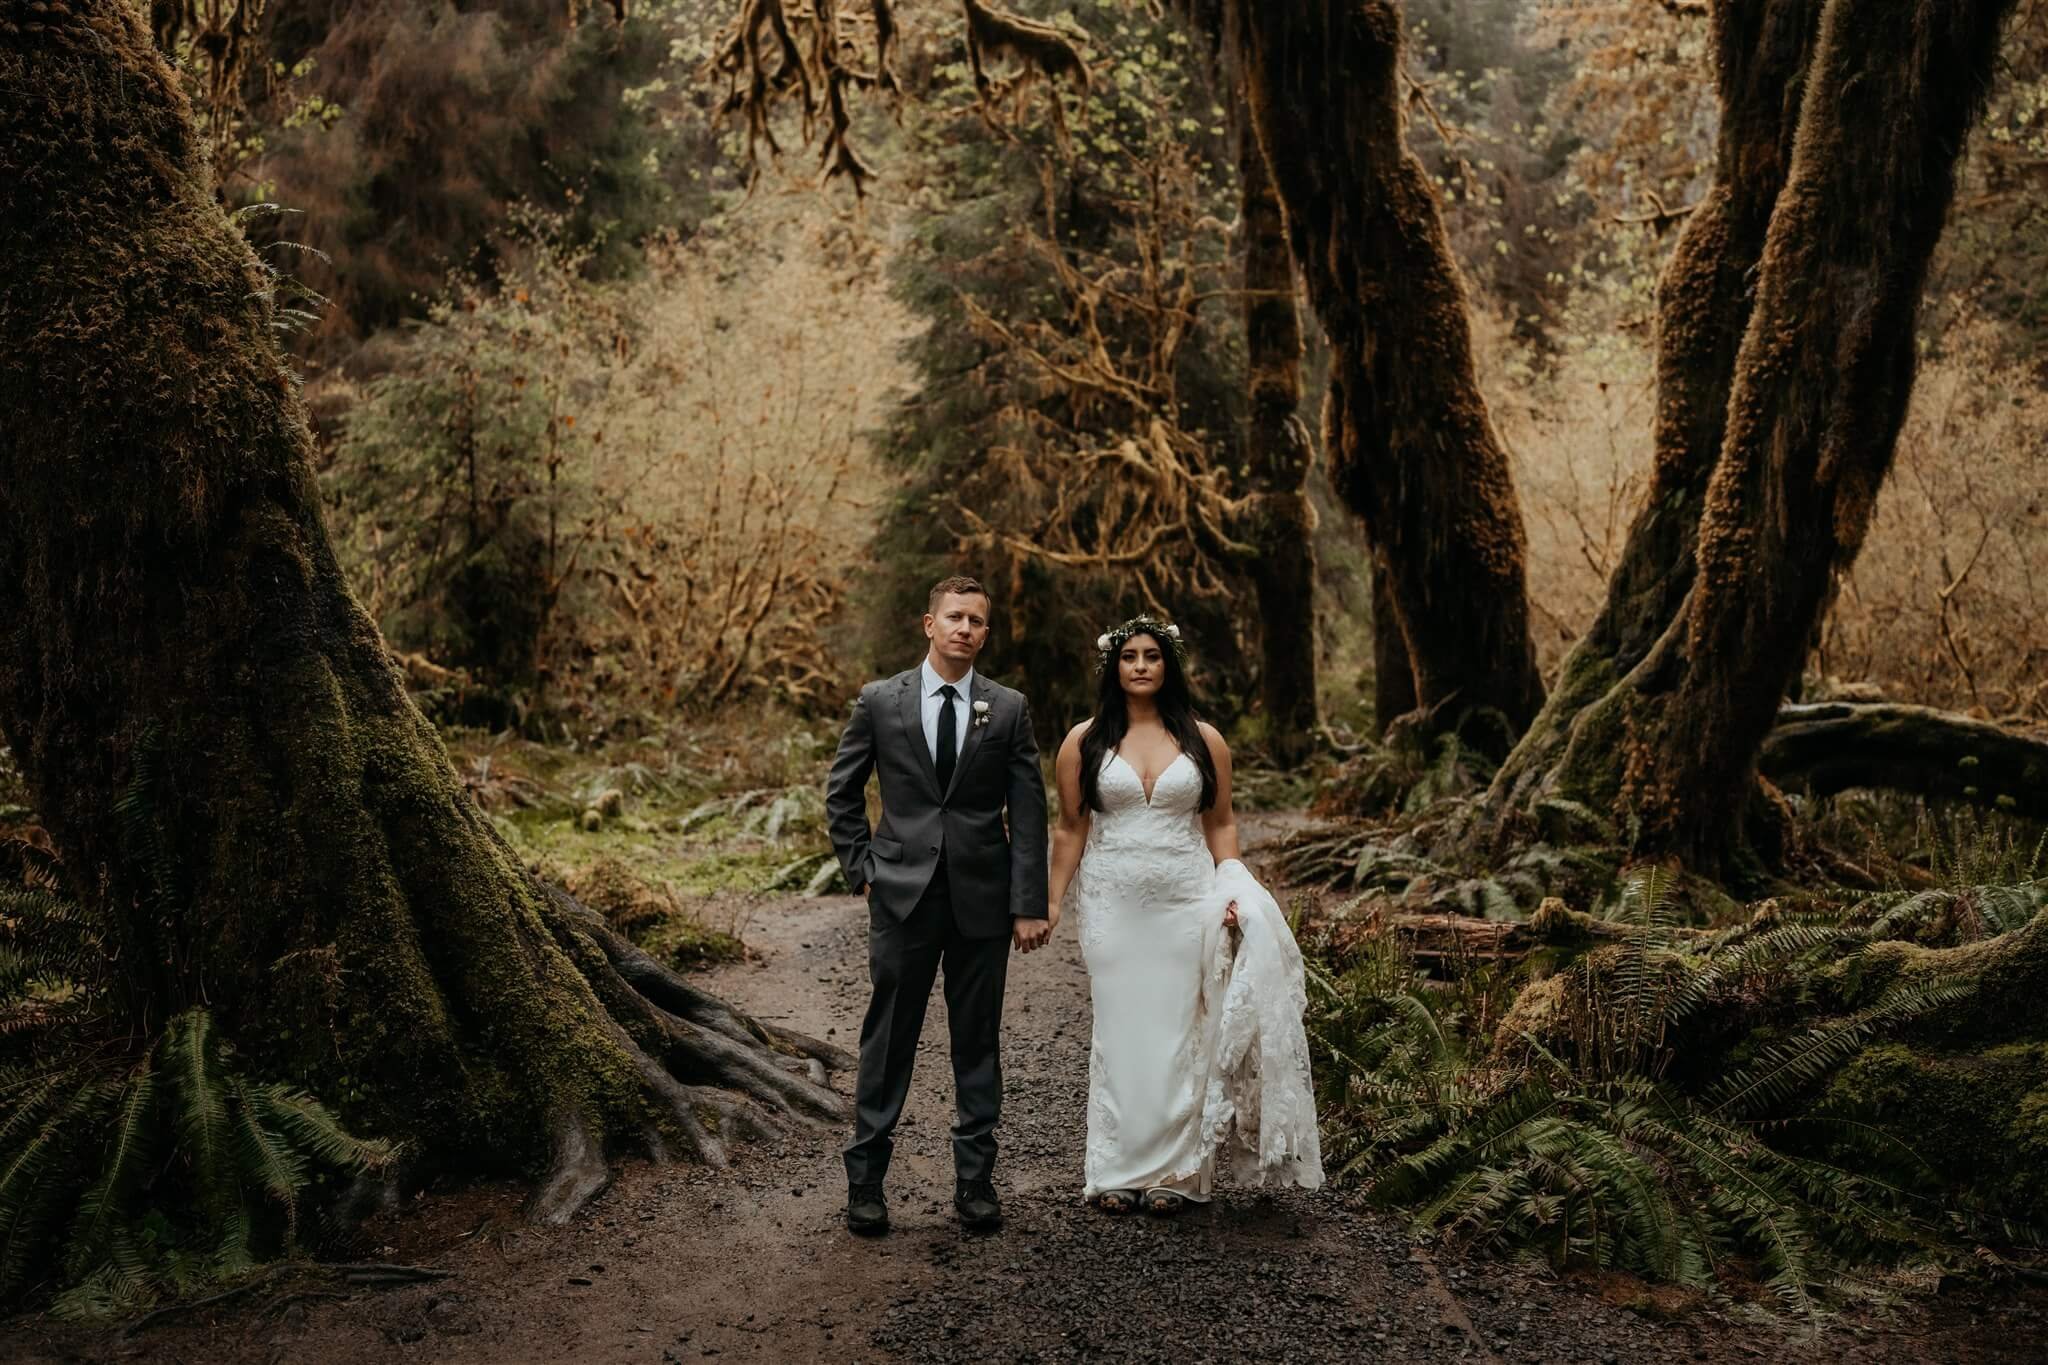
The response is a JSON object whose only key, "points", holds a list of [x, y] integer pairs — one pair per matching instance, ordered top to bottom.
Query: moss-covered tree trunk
{"points": [[1761, 49], [1820, 390], [1411, 447], [1280, 520], [1393, 677], [211, 726]]}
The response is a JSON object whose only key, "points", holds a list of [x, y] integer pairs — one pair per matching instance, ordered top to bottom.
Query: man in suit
{"points": [[947, 884]]}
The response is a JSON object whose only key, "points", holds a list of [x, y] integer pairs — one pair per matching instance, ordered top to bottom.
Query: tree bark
{"points": [[1761, 50], [1820, 390], [1412, 449], [1279, 519], [1393, 677], [291, 846]]}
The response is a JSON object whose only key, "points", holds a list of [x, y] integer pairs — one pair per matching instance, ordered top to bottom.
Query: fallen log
{"points": [[1827, 747], [1450, 941]]}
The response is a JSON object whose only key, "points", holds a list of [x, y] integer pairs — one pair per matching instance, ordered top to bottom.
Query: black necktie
{"points": [[948, 731]]}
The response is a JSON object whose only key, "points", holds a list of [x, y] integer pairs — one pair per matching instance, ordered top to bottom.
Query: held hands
{"points": [[1230, 915], [1029, 935]]}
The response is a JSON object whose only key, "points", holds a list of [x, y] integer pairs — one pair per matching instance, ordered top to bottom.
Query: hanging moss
{"points": [[1816, 394]]}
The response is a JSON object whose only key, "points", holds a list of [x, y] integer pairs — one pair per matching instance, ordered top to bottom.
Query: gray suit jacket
{"points": [[994, 873]]}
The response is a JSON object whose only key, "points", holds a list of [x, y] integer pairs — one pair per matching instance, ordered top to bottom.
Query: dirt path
{"points": [[682, 1264]]}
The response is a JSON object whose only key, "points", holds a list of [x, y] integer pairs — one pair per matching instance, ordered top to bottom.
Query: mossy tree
{"points": [[1761, 51], [1411, 446], [1279, 520], [182, 632], [1673, 702]]}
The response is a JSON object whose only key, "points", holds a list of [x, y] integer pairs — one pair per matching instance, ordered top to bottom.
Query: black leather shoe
{"points": [[976, 1203], [867, 1212]]}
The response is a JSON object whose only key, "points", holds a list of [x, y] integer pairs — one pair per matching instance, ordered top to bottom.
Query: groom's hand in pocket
{"points": [[1030, 934]]}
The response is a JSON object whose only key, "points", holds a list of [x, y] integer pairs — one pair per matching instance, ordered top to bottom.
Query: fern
{"points": [[1574, 819], [142, 833], [49, 942], [1785, 1069], [200, 1108], [311, 1127], [86, 1141], [131, 1147], [1583, 1151], [266, 1159], [34, 1181]]}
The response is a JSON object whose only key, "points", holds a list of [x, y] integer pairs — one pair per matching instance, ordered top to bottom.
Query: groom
{"points": [[946, 884]]}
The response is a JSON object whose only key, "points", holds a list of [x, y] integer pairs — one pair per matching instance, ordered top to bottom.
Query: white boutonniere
{"points": [[980, 714]]}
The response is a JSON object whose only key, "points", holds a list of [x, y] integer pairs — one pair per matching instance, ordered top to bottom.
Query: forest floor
{"points": [[683, 1263]]}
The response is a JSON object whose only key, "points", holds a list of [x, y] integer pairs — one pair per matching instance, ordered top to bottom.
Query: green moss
{"points": [[565, 850], [740, 870], [651, 916], [684, 942], [2007, 975], [1979, 1120]]}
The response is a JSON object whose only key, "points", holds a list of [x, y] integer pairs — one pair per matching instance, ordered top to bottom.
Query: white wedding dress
{"points": [[1196, 1041]]}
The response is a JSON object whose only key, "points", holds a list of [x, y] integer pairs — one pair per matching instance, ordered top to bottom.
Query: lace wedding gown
{"points": [[1151, 929], [1198, 1040]]}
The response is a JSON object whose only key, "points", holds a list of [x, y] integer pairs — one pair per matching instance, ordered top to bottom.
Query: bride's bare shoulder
{"points": [[1213, 737], [1073, 740]]}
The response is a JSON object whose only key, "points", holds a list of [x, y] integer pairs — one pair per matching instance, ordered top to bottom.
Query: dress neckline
{"points": [[1118, 755]]}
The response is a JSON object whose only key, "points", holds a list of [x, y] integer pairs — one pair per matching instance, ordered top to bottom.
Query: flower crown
{"points": [[1111, 642]]}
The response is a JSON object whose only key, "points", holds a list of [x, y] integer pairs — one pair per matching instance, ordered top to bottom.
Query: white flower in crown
{"points": [[1174, 631], [1102, 642], [980, 714]]}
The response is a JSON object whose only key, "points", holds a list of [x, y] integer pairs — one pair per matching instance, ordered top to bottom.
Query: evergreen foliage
{"points": [[1150, 99], [452, 116], [452, 468], [1592, 1124], [129, 1172]]}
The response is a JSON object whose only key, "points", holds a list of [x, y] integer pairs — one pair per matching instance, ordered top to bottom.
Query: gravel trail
{"points": [[681, 1263]]}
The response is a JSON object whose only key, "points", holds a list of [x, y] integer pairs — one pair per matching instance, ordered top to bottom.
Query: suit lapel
{"points": [[912, 708], [970, 740]]}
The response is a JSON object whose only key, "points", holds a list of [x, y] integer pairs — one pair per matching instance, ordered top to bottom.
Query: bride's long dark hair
{"points": [[1176, 703]]}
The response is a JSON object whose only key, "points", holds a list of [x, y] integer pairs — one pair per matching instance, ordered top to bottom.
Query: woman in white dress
{"points": [[1145, 820]]}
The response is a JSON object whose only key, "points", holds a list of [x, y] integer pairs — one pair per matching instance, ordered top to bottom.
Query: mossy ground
{"points": [[677, 839]]}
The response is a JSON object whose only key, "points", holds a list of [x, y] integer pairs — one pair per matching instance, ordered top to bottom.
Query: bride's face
{"points": [[1141, 666]]}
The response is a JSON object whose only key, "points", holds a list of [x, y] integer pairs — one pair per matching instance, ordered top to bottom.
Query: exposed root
{"points": [[676, 996], [712, 1074], [576, 1174], [388, 1272], [148, 1320]]}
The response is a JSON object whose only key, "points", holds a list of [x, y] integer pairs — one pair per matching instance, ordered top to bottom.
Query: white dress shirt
{"points": [[933, 701]]}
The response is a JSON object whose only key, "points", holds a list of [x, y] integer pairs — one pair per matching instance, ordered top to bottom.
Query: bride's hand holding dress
{"points": [[1142, 871]]}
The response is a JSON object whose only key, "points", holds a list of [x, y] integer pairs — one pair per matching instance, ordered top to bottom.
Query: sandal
{"points": [[1117, 1201], [1164, 1202]]}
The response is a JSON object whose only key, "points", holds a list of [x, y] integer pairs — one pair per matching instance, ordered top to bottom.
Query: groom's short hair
{"points": [[956, 583]]}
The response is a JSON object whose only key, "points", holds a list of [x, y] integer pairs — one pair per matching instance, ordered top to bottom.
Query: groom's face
{"points": [[957, 626]]}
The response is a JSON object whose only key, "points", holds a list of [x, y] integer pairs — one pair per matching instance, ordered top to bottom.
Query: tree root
{"points": [[712, 1074], [577, 1173], [389, 1272], [365, 1274], [148, 1320]]}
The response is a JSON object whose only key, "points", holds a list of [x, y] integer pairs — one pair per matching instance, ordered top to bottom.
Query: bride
{"points": [[1195, 977]]}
